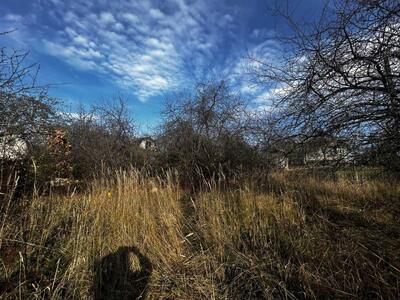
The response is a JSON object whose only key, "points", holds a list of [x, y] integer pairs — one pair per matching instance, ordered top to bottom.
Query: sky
{"points": [[89, 50]]}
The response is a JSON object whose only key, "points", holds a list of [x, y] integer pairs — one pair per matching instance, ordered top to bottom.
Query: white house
{"points": [[147, 143], [333, 151]]}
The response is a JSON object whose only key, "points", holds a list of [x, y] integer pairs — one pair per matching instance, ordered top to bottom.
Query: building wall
{"points": [[147, 144], [328, 154]]}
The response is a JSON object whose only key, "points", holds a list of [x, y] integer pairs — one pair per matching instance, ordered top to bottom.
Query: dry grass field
{"points": [[131, 236]]}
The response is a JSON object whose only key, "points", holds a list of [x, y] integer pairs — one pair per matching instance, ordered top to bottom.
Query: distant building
{"points": [[147, 143], [318, 151], [326, 151]]}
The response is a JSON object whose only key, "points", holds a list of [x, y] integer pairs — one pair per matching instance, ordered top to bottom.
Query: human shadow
{"points": [[123, 274]]}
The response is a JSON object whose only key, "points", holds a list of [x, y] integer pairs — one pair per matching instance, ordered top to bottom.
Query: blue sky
{"points": [[145, 50]]}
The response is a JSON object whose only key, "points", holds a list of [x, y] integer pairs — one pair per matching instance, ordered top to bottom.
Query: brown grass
{"points": [[134, 236]]}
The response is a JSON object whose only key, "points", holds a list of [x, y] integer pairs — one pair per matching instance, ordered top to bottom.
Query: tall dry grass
{"points": [[131, 236]]}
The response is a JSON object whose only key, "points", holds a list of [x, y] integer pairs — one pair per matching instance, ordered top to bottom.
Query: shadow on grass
{"points": [[123, 274]]}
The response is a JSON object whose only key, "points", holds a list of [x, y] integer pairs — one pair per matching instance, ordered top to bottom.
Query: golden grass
{"points": [[288, 237]]}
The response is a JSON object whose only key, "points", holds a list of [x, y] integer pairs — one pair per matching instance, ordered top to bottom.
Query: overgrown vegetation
{"points": [[208, 211], [284, 238]]}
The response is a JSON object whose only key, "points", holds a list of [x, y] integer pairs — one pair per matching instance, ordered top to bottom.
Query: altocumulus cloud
{"points": [[148, 47]]}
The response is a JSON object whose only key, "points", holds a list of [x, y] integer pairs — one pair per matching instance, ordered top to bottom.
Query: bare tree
{"points": [[341, 75], [25, 108], [213, 109], [115, 117], [205, 133], [102, 137]]}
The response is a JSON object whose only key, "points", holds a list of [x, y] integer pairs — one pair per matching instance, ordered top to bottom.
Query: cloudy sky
{"points": [[143, 49]]}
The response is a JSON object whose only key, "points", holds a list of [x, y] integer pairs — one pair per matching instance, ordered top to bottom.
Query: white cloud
{"points": [[156, 13], [13, 18], [106, 18], [132, 18], [118, 26], [80, 40], [140, 46], [147, 47], [79, 58], [249, 89], [267, 96], [268, 100], [74, 116]]}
